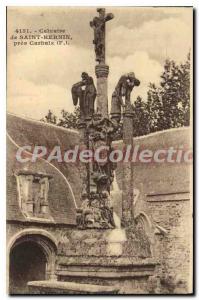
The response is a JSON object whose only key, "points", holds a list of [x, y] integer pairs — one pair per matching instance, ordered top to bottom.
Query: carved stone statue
{"points": [[98, 25], [85, 92], [121, 94], [107, 209], [96, 212], [84, 214]]}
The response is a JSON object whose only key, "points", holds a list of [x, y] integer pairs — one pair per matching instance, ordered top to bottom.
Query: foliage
{"points": [[168, 105], [67, 120]]}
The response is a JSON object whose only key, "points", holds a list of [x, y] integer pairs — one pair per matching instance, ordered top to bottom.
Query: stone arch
{"points": [[143, 219], [44, 240]]}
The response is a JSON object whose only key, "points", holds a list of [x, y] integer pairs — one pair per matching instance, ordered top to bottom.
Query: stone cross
{"points": [[98, 25]]}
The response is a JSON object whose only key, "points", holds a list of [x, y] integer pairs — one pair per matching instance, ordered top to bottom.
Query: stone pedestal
{"points": [[102, 72], [86, 259], [127, 275]]}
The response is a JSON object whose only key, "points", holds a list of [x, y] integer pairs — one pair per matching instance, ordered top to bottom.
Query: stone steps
{"points": [[58, 287]]}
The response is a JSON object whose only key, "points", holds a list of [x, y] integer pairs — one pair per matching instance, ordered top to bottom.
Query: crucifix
{"points": [[98, 25]]}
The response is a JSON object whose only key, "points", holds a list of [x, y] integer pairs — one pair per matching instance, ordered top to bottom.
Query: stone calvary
{"points": [[98, 128]]}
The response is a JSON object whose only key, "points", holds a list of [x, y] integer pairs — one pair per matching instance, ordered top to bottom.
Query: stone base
{"points": [[118, 242], [115, 257], [91, 275], [127, 275], [98, 276]]}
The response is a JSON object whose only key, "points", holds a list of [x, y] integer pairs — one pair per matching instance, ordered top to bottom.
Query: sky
{"points": [[138, 40]]}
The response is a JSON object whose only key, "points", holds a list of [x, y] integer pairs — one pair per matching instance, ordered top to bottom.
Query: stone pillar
{"points": [[102, 72], [82, 132], [83, 144], [127, 194]]}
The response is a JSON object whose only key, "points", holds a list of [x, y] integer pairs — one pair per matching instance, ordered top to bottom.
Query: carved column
{"points": [[102, 72], [84, 168], [127, 194], [97, 211]]}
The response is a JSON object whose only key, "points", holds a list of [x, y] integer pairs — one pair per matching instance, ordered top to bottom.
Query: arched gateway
{"points": [[32, 255]]}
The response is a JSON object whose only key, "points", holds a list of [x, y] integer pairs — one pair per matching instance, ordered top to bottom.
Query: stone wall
{"points": [[164, 196], [173, 249]]}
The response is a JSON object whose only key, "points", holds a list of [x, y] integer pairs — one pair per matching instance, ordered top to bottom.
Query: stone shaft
{"points": [[102, 72], [84, 168], [127, 194]]}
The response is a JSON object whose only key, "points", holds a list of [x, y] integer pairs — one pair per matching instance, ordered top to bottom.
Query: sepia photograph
{"points": [[99, 150]]}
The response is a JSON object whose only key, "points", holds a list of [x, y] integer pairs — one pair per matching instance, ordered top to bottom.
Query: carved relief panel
{"points": [[33, 193]]}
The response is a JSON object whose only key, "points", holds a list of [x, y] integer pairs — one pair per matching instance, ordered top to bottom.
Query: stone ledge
{"points": [[164, 197], [107, 261], [109, 267], [105, 274], [57, 287]]}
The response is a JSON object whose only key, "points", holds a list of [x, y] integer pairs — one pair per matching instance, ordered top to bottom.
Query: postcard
{"points": [[99, 150]]}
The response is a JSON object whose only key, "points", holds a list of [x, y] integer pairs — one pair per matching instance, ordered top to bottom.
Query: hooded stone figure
{"points": [[123, 88], [85, 92]]}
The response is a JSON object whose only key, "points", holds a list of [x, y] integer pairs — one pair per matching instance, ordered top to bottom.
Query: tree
{"points": [[169, 104], [154, 108], [140, 117], [50, 118], [67, 120]]}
